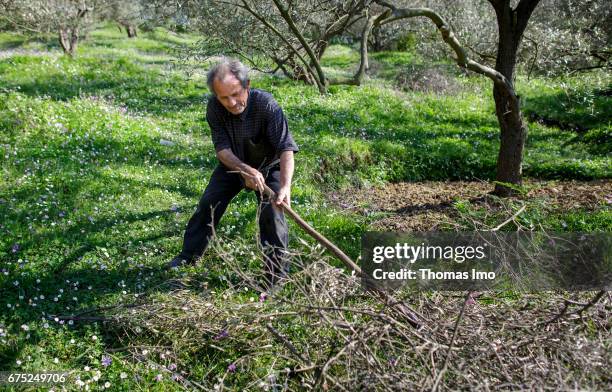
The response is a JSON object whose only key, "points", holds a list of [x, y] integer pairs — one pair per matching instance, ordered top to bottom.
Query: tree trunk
{"points": [[511, 24], [131, 31], [74, 39], [63, 40], [67, 43], [377, 45], [320, 48], [363, 49], [293, 70], [317, 74], [357, 79], [507, 106], [512, 141]]}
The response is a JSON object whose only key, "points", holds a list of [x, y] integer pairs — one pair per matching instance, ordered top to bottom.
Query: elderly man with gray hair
{"points": [[254, 147]]}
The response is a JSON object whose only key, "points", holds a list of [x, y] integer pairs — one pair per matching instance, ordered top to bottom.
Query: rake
{"points": [[404, 310]]}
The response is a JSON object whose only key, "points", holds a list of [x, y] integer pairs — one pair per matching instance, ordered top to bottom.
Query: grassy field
{"points": [[93, 205]]}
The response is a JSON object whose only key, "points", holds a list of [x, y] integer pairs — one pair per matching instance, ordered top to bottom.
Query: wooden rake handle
{"points": [[315, 234], [408, 313]]}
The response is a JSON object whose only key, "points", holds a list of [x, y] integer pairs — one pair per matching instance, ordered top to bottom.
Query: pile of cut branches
{"points": [[320, 330]]}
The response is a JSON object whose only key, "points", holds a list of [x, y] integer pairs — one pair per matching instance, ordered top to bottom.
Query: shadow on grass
{"points": [[16, 41], [12, 43], [578, 111], [585, 114], [432, 147], [85, 263], [106, 278], [104, 283]]}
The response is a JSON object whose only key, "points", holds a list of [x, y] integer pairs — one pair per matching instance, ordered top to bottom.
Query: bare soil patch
{"points": [[426, 206]]}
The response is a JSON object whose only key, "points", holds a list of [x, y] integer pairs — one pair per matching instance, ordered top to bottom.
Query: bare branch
{"points": [[263, 20], [449, 37], [363, 52], [321, 80]]}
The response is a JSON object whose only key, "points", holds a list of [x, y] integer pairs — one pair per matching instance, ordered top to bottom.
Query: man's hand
{"points": [[286, 173], [253, 179], [283, 195]]}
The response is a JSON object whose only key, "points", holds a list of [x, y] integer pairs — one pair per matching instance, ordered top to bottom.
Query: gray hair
{"points": [[225, 66]]}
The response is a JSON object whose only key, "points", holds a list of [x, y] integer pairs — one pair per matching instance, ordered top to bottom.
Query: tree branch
{"points": [[246, 7], [524, 10], [449, 37], [363, 64], [322, 81]]}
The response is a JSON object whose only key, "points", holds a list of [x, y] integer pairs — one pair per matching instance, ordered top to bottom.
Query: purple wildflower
{"points": [[15, 248], [263, 297], [472, 298], [222, 335], [106, 360], [392, 361], [172, 367], [231, 368]]}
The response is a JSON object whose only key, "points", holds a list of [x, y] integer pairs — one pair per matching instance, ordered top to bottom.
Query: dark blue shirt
{"points": [[262, 126]]}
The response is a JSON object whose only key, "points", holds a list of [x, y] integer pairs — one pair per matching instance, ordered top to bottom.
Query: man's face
{"points": [[231, 94]]}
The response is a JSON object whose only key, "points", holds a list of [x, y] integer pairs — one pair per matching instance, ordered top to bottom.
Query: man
{"points": [[254, 146]]}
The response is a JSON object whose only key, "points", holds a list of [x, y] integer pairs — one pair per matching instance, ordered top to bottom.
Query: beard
{"points": [[238, 108]]}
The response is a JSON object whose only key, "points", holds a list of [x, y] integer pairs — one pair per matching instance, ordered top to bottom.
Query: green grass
{"points": [[578, 104], [92, 204], [538, 215]]}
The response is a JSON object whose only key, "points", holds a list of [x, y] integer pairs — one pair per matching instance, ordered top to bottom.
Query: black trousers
{"points": [[220, 191]]}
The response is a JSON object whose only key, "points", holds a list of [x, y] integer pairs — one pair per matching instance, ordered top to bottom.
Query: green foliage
{"points": [[406, 42], [340, 56], [579, 105], [537, 215]]}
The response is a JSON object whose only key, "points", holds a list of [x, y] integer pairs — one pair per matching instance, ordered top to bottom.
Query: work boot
{"points": [[179, 261]]}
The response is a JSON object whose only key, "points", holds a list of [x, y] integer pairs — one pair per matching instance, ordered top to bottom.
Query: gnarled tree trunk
{"points": [[371, 21], [511, 25], [130, 29], [69, 33], [68, 39], [513, 133]]}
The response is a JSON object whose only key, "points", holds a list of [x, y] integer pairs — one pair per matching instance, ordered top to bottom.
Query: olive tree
{"points": [[128, 14], [69, 19], [511, 24], [291, 36], [562, 36], [569, 36]]}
